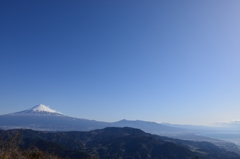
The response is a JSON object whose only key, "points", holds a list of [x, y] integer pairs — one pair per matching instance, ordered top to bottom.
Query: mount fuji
{"points": [[39, 110], [42, 117]]}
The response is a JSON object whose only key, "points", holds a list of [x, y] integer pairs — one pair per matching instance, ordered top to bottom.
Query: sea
{"points": [[227, 136]]}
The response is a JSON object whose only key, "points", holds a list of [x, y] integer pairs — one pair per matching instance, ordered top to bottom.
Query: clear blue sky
{"points": [[164, 61]]}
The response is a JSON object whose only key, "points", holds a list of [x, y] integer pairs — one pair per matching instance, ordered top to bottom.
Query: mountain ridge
{"points": [[42, 117], [51, 121]]}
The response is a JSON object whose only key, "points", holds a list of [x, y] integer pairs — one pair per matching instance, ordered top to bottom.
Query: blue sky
{"points": [[163, 61]]}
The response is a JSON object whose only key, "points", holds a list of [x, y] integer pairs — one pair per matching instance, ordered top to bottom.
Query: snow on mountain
{"points": [[43, 108], [39, 109]]}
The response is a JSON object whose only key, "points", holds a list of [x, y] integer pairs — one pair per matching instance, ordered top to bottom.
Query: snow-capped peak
{"points": [[43, 108], [39, 110]]}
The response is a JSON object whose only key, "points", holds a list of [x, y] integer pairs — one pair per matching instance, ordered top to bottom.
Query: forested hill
{"points": [[109, 143]]}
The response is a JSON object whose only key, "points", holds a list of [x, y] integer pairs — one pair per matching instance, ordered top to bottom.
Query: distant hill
{"points": [[150, 127], [114, 143]]}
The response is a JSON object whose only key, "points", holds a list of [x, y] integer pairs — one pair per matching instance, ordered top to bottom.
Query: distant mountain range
{"points": [[42, 117], [150, 127], [112, 143]]}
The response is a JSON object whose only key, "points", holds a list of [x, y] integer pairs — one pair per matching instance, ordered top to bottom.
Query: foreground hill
{"points": [[111, 143]]}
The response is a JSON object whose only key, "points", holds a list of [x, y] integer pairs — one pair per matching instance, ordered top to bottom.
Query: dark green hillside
{"points": [[114, 143], [53, 148]]}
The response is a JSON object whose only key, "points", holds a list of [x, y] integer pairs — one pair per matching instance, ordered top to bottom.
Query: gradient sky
{"points": [[164, 61]]}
